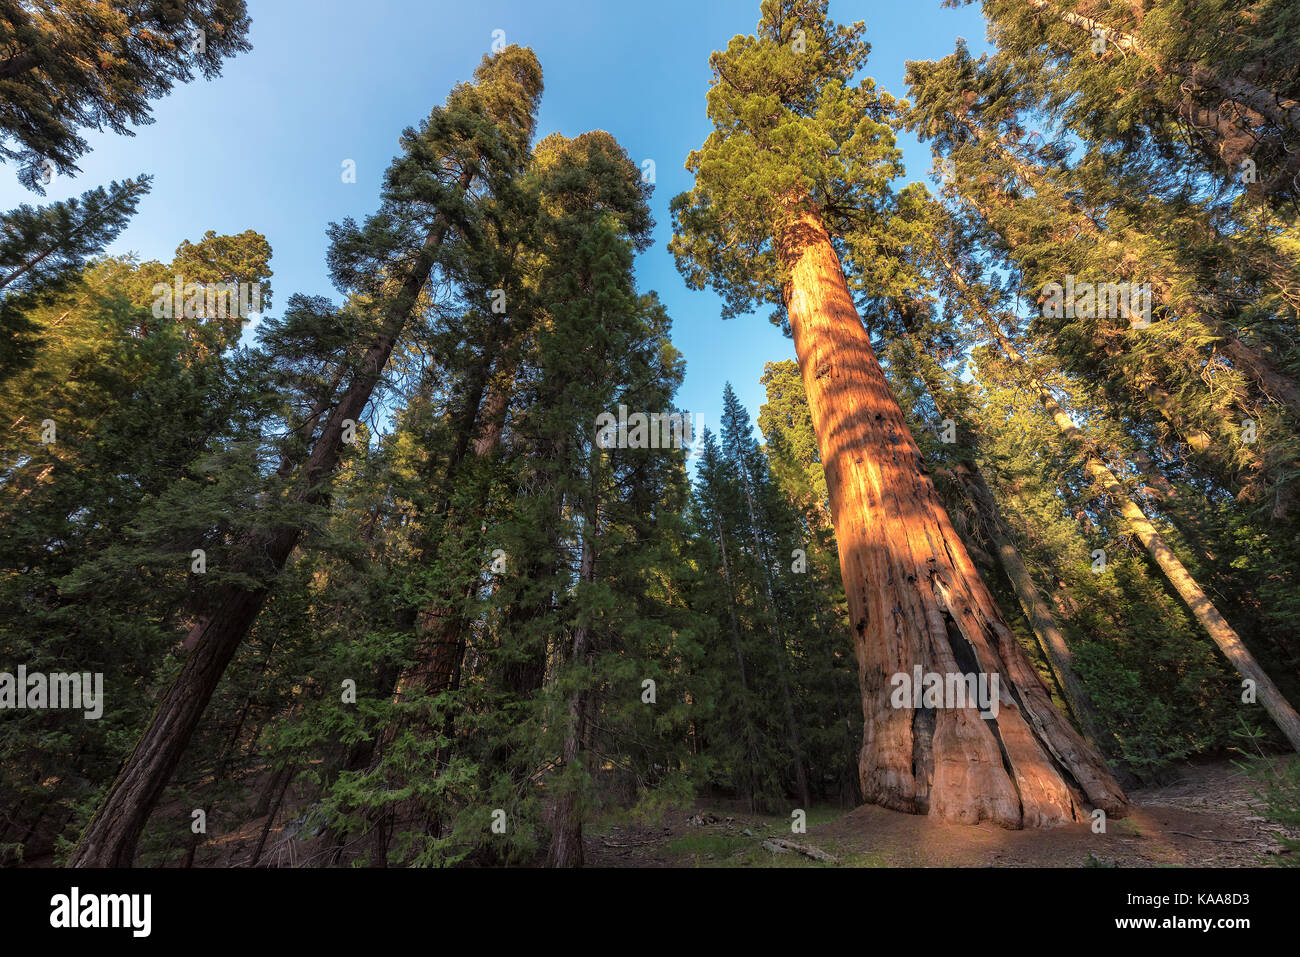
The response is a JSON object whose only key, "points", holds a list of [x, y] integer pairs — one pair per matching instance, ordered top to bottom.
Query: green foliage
{"points": [[70, 66], [793, 128], [43, 250], [149, 437], [769, 582], [544, 631], [1277, 789]]}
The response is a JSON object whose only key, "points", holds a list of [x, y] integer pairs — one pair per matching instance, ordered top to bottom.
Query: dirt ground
{"points": [[1203, 819]]}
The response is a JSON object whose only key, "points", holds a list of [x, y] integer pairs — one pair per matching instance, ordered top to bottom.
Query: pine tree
{"points": [[67, 66], [1155, 77], [483, 131], [1056, 225], [42, 249], [1206, 373], [118, 410], [786, 424], [749, 465], [554, 596], [534, 608], [1222, 633], [825, 670], [1160, 688], [738, 736]]}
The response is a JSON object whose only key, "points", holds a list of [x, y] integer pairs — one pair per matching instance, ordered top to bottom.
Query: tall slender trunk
{"points": [[1282, 111], [1237, 113], [1255, 364], [1159, 398], [1190, 523], [915, 598], [1214, 624], [441, 625], [787, 701], [751, 745], [279, 784], [566, 821], [111, 836]]}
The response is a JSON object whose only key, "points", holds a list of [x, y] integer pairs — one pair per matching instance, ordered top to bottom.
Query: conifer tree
{"points": [[67, 66], [1151, 78], [483, 132], [799, 159], [43, 248], [1204, 371], [118, 410], [786, 423], [747, 461], [556, 598], [1209, 617], [825, 670], [739, 738]]}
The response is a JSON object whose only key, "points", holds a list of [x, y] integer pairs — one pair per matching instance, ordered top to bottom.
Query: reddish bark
{"points": [[914, 596]]}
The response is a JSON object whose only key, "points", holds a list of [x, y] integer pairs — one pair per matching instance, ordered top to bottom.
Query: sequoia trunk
{"points": [[915, 599], [1032, 603]]}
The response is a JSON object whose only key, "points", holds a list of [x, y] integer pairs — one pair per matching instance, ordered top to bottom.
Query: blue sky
{"points": [[261, 147]]}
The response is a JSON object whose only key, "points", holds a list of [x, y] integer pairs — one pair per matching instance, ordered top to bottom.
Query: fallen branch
{"points": [[1221, 840], [780, 845]]}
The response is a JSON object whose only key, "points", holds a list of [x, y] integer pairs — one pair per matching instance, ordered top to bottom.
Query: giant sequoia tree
{"points": [[798, 164]]}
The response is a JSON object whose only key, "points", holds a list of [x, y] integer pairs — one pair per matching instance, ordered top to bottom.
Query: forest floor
{"points": [[1204, 818]]}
